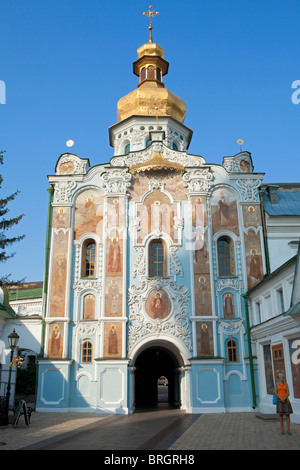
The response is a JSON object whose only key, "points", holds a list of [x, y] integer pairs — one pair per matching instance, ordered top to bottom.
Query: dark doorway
{"points": [[152, 364]]}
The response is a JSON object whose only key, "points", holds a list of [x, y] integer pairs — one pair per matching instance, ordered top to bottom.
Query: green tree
{"points": [[5, 225]]}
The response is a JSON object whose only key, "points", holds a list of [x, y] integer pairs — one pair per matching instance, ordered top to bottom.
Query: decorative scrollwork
{"points": [[176, 325]]}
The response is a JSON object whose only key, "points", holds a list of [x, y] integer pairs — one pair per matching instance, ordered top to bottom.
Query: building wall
{"points": [[193, 311], [276, 338]]}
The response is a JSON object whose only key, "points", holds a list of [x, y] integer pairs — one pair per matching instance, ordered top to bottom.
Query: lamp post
{"points": [[13, 340]]}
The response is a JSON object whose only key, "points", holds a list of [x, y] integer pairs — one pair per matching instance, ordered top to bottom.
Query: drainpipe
{"points": [[261, 196], [46, 268], [250, 351]]}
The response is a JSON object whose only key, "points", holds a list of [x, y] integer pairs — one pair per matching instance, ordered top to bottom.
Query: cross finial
{"points": [[150, 13]]}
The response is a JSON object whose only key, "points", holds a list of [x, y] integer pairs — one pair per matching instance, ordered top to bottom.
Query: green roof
{"points": [[24, 294]]}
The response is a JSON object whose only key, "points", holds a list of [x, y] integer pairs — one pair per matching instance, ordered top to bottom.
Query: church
{"points": [[148, 258]]}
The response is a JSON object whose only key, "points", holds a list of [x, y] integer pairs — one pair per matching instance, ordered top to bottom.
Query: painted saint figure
{"points": [[114, 256], [158, 306], [113, 341], [55, 342]]}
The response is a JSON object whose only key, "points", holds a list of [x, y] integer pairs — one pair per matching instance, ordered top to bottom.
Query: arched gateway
{"points": [[159, 375]]}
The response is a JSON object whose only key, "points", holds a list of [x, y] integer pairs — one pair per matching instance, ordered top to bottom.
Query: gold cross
{"points": [[150, 13]]}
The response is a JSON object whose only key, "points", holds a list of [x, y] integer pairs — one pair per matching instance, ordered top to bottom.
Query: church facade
{"points": [[148, 258]]}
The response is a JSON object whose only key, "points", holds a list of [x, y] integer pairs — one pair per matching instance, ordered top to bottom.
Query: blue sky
{"points": [[66, 63]]}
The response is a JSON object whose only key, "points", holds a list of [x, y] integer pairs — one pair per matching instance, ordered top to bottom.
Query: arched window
{"points": [[150, 72], [143, 74], [158, 74], [149, 142], [174, 146], [127, 149], [226, 257], [157, 259], [88, 266], [232, 351], [86, 352]]}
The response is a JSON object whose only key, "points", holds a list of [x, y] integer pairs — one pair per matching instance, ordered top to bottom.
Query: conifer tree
{"points": [[6, 224]]}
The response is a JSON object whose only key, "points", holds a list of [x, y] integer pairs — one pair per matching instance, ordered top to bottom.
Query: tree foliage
{"points": [[7, 223]]}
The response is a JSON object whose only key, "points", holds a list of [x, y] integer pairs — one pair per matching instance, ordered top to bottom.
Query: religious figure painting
{"points": [[245, 166], [66, 168], [224, 211], [115, 212], [157, 212], [88, 213], [252, 216], [61, 217], [199, 218], [114, 254], [201, 255], [253, 258], [59, 275], [202, 295], [113, 297], [158, 305], [228, 305], [89, 307], [112, 339], [205, 343], [55, 344]]}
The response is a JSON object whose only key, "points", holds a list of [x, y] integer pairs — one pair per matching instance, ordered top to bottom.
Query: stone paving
{"points": [[166, 429]]}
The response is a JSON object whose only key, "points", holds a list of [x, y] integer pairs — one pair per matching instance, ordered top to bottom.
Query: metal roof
{"points": [[288, 203]]}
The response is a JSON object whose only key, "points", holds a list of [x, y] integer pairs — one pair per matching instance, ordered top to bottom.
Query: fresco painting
{"points": [[66, 168], [172, 184], [139, 186], [176, 187], [224, 211], [115, 212], [157, 212], [88, 213], [252, 216], [61, 217], [199, 217], [201, 254], [114, 255], [254, 260], [59, 274], [202, 295], [113, 297], [158, 305], [228, 305], [89, 307], [112, 340], [205, 342], [55, 344]]}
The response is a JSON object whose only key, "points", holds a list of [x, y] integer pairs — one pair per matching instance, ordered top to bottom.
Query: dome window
{"points": [[127, 149]]}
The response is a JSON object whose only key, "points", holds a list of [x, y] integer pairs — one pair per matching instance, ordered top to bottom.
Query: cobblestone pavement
{"points": [[167, 429]]}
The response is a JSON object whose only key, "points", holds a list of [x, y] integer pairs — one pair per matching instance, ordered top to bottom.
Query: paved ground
{"points": [[158, 429]]}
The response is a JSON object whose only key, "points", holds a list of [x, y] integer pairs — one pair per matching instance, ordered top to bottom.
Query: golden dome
{"points": [[151, 98]]}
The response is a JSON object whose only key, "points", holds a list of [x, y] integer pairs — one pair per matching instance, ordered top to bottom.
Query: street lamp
{"points": [[13, 340]]}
